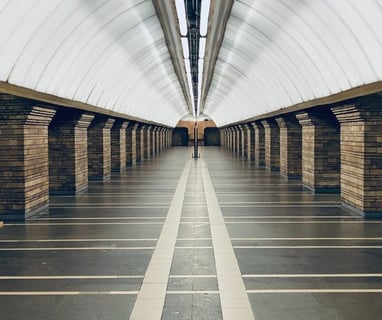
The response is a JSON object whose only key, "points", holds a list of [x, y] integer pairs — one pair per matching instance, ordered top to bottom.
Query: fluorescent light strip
{"points": [[205, 10], [181, 12], [185, 47], [202, 47], [188, 67]]}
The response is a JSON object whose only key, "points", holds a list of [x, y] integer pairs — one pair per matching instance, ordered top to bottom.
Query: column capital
{"points": [[358, 113], [26, 114], [319, 117], [72, 118], [287, 121], [102, 122], [269, 123], [120, 124], [257, 125], [136, 126]]}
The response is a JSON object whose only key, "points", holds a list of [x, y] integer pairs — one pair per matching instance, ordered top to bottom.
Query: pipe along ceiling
{"points": [[126, 56]]}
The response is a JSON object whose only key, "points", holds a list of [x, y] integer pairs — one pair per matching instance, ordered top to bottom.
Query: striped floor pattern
{"points": [[177, 238]]}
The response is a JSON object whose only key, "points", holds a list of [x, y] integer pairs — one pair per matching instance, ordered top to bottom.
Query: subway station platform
{"points": [[178, 238]]}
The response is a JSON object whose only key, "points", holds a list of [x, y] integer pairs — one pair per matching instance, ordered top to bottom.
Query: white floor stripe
{"points": [[113, 194], [281, 202], [112, 204], [281, 206], [293, 217], [99, 218], [305, 222], [80, 224], [193, 239], [300, 239], [76, 240], [193, 247], [307, 247], [77, 248], [332, 275], [193, 276], [83, 277], [315, 291], [193, 292], [65, 293], [233, 296], [151, 297]]}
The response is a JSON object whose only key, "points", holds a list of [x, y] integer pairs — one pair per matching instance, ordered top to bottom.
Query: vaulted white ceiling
{"points": [[107, 53], [278, 53], [113, 54]]}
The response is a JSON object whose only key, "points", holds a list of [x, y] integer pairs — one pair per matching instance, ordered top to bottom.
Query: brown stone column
{"points": [[136, 131], [170, 137], [222, 137], [156, 139], [162, 139], [229, 139], [232, 139], [238, 140], [244, 140], [152, 141], [144, 142], [251, 142], [149, 143], [165, 143], [259, 143], [131, 144], [272, 144], [118, 145], [290, 147], [99, 148], [320, 151], [68, 152], [361, 155], [24, 171]]}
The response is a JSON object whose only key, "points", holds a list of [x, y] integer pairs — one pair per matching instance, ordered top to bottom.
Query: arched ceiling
{"points": [[107, 53], [279, 53], [113, 54]]}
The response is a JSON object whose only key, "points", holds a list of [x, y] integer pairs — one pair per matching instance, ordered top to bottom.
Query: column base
{"points": [[273, 169], [291, 177], [99, 178], [330, 190], [68, 192], [365, 214], [22, 215]]}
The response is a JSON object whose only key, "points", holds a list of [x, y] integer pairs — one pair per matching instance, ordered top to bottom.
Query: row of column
{"points": [[332, 149], [53, 150]]}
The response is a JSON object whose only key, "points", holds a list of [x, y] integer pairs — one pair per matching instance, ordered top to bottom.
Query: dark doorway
{"points": [[180, 136], [211, 137]]}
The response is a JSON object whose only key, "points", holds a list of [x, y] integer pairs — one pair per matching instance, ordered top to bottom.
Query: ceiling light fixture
{"points": [[181, 12], [204, 13]]}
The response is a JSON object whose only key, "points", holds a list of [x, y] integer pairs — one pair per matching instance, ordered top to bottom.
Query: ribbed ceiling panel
{"points": [[107, 53], [278, 53]]}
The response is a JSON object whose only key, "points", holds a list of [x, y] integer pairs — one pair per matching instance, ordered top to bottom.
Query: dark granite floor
{"points": [[301, 255]]}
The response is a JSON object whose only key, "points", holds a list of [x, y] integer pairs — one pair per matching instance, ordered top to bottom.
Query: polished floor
{"points": [[176, 238]]}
